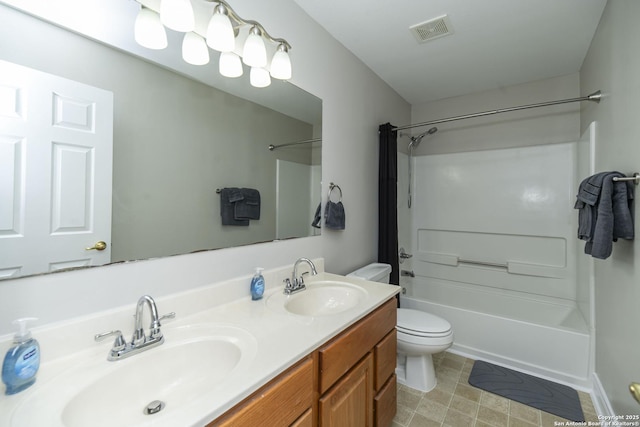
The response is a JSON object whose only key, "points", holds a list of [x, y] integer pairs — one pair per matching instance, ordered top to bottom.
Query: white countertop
{"points": [[278, 339]]}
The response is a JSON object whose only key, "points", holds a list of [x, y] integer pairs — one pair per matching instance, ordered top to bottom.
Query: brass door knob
{"points": [[99, 246], [634, 388]]}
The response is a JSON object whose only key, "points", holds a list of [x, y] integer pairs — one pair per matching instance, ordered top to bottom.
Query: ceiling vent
{"points": [[432, 29]]}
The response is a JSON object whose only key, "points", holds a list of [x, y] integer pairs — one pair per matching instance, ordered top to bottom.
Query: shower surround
{"points": [[493, 238]]}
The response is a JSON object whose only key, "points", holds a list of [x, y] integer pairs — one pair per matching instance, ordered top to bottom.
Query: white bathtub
{"points": [[541, 336]]}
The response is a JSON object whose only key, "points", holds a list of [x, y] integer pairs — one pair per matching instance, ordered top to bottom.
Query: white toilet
{"points": [[420, 335]]}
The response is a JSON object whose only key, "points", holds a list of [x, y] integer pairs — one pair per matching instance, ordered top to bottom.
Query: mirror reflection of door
{"points": [[56, 138]]}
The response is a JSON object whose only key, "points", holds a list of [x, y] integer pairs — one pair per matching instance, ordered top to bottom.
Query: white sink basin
{"points": [[321, 298], [191, 362]]}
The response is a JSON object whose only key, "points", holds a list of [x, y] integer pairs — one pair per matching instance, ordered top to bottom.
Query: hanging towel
{"points": [[228, 199], [247, 207], [605, 212], [334, 216], [317, 217]]}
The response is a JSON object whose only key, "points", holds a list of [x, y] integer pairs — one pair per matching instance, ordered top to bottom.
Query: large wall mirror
{"points": [[180, 134]]}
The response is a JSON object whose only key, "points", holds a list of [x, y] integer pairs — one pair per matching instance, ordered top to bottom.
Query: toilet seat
{"points": [[421, 324]]}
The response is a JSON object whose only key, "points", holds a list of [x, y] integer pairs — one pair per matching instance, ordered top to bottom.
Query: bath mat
{"points": [[545, 395]]}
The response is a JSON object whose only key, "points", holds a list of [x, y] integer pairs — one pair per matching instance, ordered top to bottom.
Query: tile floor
{"points": [[455, 403]]}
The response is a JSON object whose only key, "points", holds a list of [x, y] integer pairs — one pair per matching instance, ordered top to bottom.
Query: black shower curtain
{"points": [[388, 200]]}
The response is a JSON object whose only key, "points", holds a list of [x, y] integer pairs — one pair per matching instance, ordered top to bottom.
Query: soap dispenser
{"points": [[257, 285], [22, 360]]}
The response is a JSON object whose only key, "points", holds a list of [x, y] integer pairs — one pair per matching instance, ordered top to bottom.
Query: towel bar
{"points": [[635, 178], [488, 264]]}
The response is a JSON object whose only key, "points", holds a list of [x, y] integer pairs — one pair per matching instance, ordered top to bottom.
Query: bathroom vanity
{"points": [[321, 357], [350, 380]]}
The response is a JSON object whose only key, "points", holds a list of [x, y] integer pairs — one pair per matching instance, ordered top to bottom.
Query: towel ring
{"points": [[332, 187]]}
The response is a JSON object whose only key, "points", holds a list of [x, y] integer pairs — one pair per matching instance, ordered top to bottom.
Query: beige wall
{"points": [[613, 66]]}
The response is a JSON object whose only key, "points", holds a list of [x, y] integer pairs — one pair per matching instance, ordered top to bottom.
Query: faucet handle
{"points": [[171, 315], [155, 332], [118, 344]]}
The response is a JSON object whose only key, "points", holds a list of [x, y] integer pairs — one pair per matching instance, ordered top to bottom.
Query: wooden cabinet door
{"points": [[349, 403]]}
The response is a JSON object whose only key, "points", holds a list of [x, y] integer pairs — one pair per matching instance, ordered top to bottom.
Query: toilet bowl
{"points": [[420, 335]]}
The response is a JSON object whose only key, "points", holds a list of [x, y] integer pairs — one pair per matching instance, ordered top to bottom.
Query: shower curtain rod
{"points": [[595, 97], [308, 141]]}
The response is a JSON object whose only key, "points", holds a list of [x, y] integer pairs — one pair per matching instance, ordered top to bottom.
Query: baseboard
{"points": [[600, 399]]}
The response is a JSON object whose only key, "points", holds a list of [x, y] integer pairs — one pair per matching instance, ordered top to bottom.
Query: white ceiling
{"points": [[495, 43]]}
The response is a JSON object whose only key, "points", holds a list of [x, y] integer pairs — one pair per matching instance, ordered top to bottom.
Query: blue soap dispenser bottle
{"points": [[257, 285], [22, 360]]}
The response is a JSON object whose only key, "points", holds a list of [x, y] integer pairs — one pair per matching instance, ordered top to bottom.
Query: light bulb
{"points": [[177, 15], [149, 31], [220, 35], [194, 49], [254, 53], [281, 64], [230, 65], [259, 77]]}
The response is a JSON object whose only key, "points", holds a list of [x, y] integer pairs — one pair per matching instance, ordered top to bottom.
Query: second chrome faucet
{"points": [[296, 283], [140, 341]]}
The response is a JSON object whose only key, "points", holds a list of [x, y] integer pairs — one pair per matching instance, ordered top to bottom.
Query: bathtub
{"points": [[545, 337]]}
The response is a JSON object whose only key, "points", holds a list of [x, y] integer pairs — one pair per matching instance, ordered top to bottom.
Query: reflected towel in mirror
{"points": [[227, 207], [248, 207], [317, 217]]}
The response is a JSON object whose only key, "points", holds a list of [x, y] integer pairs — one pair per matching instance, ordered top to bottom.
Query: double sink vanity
{"points": [[324, 356]]}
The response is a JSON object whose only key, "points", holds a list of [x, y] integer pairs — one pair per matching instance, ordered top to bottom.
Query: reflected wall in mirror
{"points": [[177, 140]]}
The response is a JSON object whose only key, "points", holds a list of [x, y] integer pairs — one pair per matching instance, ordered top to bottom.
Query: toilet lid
{"points": [[416, 322]]}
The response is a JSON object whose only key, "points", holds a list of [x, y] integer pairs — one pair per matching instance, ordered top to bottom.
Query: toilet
{"points": [[420, 335]]}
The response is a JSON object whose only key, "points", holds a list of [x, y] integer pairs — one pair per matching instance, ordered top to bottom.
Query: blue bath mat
{"points": [[545, 395]]}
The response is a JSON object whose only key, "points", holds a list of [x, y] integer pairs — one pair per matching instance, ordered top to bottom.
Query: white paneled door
{"points": [[56, 140]]}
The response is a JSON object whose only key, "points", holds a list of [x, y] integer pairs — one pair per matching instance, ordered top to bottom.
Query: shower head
{"points": [[415, 140]]}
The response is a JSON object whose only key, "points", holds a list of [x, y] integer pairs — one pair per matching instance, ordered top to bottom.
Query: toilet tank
{"points": [[376, 272]]}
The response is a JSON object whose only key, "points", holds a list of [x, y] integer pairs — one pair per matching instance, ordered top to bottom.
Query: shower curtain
{"points": [[387, 201]]}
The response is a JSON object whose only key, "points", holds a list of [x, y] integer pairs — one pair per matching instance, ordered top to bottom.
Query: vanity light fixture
{"points": [[177, 15], [149, 31], [220, 34], [238, 40], [194, 49], [254, 53], [281, 63], [230, 65], [259, 77]]}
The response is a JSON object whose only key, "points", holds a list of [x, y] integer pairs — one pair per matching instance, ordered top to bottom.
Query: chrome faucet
{"points": [[296, 283], [138, 333], [139, 341]]}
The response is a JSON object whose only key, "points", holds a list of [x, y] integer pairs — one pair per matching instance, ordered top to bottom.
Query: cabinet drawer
{"points": [[337, 357], [385, 359], [291, 393], [384, 404]]}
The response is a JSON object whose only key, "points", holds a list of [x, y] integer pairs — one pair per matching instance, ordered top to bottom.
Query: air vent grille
{"points": [[432, 29]]}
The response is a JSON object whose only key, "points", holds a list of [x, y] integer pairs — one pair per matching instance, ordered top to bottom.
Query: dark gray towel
{"points": [[227, 207], [248, 207], [605, 212], [334, 216], [317, 218]]}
